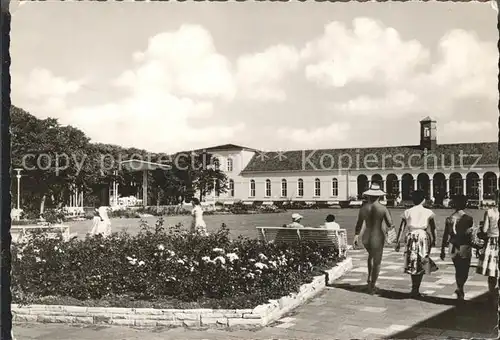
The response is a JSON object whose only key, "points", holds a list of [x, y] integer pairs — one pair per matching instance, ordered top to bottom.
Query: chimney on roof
{"points": [[428, 133]]}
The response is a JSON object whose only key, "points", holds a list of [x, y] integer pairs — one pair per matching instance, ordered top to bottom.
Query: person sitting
{"points": [[296, 218], [330, 223]]}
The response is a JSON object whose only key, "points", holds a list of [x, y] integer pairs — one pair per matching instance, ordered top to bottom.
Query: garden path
{"points": [[342, 311]]}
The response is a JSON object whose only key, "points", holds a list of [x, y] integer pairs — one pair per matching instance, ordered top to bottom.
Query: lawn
{"points": [[245, 224]]}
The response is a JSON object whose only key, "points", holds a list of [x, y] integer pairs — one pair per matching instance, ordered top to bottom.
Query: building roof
{"points": [[427, 119], [226, 147], [443, 155]]}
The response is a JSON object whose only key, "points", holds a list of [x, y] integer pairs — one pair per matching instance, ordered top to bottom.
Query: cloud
{"points": [[367, 52], [183, 62], [468, 66], [463, 67], [260, 75], [177, 79], [41, 83], [174, 85], [180, 90], [44, 93], [393, 103], [157, 123], [456, 127], [316, 136]]}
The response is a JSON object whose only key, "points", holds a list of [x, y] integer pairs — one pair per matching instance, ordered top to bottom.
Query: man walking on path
{"points": [[371, 215]]}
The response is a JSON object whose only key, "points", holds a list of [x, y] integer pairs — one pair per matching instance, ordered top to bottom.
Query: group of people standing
{"points": [[418, 224]]}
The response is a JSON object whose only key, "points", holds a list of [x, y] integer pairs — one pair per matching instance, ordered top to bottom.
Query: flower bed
{"points": [[161, 268], [201, 317]]}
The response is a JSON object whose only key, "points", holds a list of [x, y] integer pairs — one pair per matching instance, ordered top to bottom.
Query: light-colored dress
{"points": [[95, 224], [103, 225], [198, 225], [294, 225], [331, 226], [418, 242], [488, 258]]}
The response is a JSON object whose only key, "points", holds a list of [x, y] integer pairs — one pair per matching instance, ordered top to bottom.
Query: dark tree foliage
{"points": [[56, 159]]}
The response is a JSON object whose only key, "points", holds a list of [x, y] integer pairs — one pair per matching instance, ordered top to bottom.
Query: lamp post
{"points": [[18, 187], [215, 191]]}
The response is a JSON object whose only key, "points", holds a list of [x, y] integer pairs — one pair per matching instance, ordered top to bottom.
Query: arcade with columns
{"points": [[438, 186]]}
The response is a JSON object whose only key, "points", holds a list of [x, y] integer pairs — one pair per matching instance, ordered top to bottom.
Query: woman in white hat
{"points": [[373, 214], [296, 218]]}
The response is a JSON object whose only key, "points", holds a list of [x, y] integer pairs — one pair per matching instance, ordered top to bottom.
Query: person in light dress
{"points": [[296, 218], [95, 221], [330, 223], [101, 224], [198, 224], [421, 236], [488, 258]]}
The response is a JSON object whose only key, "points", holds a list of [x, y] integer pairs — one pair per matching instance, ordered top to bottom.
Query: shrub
{"points": [[280, 204], [344, 204], [298, 205], [320, 205], [239, 208], [168, 210], [127, 213], [30, 214], [53, 215], [160, 263]]}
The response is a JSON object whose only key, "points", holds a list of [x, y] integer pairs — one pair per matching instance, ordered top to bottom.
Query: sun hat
{"points": [[374, 190], [296, 217]]}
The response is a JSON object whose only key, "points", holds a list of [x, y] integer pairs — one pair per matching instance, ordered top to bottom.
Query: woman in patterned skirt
{"points": [[457, 236], [419, 240], [488, 256]]}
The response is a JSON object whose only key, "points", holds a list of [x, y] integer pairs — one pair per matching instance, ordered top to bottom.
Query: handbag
{"points": [[391, 236], [476, 238], [429, 265]]}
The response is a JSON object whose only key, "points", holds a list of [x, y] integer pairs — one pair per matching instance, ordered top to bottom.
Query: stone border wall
{"points": [[149, 317]]}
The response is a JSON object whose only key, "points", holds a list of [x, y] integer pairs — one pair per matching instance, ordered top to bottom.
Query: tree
{"points": [[48, 152], [57, 159], [204, 175]]}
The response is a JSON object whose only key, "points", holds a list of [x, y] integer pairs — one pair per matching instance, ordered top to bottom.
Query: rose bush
{"points": [[160, 264]]}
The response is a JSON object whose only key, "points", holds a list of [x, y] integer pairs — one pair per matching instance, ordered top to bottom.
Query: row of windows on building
{"points": [[300, 188]]}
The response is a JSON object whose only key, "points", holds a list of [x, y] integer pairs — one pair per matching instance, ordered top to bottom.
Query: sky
{"points": [[175, 76]]}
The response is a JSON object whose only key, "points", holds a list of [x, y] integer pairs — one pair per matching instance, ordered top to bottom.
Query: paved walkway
{"points": [[342, 311]]}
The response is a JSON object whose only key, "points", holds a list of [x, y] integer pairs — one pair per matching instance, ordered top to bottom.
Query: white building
{"points": [[337, 174]]}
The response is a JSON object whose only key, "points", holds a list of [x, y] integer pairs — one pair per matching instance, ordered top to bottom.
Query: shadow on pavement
{"points": [[363, 289], [478, 316]]}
